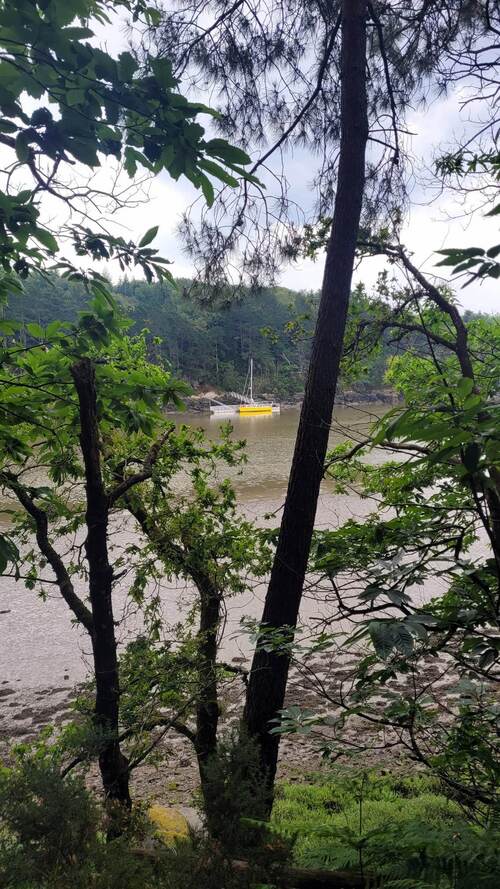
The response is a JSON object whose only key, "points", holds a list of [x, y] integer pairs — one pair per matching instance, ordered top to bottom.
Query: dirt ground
{"points": [[173, 778]]}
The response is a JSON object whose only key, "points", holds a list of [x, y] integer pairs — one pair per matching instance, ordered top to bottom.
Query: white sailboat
{"points": [[248, 406]]}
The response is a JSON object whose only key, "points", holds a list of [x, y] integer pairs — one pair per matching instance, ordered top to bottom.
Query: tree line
{"points": [[210, 346]]}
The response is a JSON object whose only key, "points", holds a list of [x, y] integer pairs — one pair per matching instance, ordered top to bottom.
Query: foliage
{"points": [[412, 53], [90, 106], [475, 263], [210, 345], [186, 518], [435, 522], [234, 808], [400, 828], [53, 833], [53, 836]]}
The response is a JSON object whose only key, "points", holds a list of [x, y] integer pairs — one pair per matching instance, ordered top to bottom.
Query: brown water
{"points": [[39, 644]]}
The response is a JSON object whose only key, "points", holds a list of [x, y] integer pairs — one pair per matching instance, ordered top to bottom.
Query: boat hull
{"points": [[247, 409]]}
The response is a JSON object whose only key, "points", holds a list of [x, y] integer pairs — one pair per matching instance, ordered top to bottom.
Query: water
{"points": [[41, 646]]}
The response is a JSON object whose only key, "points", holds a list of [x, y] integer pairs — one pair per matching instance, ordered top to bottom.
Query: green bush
{"points": [[403, 829], [53, 833]]}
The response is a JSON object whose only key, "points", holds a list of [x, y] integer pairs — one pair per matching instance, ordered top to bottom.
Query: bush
{"points": [[234, 796], [403, 829], [53, 834]]}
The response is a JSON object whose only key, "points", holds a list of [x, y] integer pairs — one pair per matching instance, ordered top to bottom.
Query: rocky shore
{"points": [[201, 401], [173, 780]]}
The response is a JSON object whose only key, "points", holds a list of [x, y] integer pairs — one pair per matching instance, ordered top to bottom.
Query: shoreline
{"points": [[200, 401]]}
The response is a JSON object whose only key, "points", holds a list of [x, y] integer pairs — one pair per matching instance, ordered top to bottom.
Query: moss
{"points": [[168, 824]]}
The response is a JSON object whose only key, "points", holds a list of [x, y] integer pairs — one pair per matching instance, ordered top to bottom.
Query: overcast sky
{"points": [[435, 220]]}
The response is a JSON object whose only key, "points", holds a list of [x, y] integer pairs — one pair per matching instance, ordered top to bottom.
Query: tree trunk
{"points": [[266, 690], [207, 706], [112, 763]]}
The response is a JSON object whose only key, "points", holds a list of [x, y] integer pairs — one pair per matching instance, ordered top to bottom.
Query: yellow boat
{"points": [[248, 407], [255, 409]]}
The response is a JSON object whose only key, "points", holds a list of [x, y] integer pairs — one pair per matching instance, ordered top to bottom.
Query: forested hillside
{"points": [[208, 345]]}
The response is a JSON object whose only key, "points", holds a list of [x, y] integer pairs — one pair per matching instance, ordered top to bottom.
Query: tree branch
{"points": [[385, 62], [312, 98], [142, 476], [39, 516]]}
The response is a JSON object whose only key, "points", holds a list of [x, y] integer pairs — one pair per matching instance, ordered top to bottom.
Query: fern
{"points": [[401, 829]]}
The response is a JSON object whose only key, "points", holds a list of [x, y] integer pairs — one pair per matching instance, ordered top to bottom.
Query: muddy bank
{"points": [[174, 780]]}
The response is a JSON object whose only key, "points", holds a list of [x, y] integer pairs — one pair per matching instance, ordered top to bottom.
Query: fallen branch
{"points": [[296, 877]]}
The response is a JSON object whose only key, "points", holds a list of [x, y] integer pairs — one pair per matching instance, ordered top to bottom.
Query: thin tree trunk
{"points": [[266, 690], [207, 708], [113, 765]]}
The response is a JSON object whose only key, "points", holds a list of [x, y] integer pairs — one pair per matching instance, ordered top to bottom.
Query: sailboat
{"points": [[248, 406]]}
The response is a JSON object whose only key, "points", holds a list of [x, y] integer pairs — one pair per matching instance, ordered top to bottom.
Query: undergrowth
{"points": [[401, 829]]}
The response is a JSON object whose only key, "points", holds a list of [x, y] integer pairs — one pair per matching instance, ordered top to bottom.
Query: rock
{"points": [[27, 713], [169, 824]]}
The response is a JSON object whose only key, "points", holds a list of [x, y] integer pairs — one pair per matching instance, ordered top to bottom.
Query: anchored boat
{"points": [[248, 406]]}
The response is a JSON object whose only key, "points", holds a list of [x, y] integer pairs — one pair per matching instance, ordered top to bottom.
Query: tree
{"points": [[407, 45], [274, 68], [102, 107], [64, 396], [105, 399], [197, 536], [434, 664], [270, 669]]}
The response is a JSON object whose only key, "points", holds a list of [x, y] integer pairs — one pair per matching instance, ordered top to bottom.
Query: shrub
{"points": [[402, 829], [53, 834]]}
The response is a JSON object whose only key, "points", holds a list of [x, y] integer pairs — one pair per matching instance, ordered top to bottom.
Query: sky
{"points": [[435, 221]]}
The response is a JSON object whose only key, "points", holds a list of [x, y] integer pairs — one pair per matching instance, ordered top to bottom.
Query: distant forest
{"points": [[208, 345]]}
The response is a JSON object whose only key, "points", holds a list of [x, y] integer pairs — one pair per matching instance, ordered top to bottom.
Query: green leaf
{"points": [[77, 33], [127, 66], [162, 69], [23, 146], [85, 150], [228, 153], [218, 172], [207, 189], [495, 211], [149, 236], [46, 238], [35, 330], [465, 386], [8, 552], [382, 636]]}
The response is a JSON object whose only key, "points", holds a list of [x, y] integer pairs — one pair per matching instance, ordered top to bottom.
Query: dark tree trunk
{"points": [[266, 690], [207, 707], [112, 763]]}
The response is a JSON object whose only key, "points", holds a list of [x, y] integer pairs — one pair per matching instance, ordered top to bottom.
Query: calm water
{"points": [[39, 644]]}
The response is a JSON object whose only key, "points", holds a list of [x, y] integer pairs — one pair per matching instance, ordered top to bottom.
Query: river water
{"points": [[41, 647]]}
